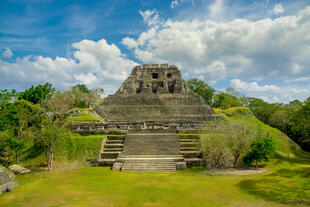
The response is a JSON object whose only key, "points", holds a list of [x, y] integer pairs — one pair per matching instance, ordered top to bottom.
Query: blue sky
{"points": [[259, 47]]}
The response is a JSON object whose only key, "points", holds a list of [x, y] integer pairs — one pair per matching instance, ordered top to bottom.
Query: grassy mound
{"points": [[242, 115]]}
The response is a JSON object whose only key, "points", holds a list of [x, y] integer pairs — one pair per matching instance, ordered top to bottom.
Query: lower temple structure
{"points": [[152, 109]]}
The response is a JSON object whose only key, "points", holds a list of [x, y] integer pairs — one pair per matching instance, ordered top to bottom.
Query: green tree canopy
{"points": [[201, 88], [35, 94], [225, 101]]}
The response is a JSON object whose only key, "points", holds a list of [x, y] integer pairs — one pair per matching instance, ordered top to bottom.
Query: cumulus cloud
{"points": [[217, 8], [278, 9], [276, 49], [7, 53], [96, 64], [253, 87], [271, 93]]}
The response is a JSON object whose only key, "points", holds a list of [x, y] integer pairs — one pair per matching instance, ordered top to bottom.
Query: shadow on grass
{"points": [[287, 186]]}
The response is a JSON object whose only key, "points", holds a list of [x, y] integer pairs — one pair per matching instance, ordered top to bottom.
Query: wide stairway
{"points": [[150, 152], [149, 165]]}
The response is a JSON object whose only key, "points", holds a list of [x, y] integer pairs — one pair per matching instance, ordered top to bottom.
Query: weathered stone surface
{"points": [[154, 97], [151, 106], [180, 165], [117, 166], [19, 170], [6, 180]]}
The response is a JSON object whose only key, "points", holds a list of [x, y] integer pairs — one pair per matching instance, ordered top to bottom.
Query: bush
{"points": [[260, 149]]}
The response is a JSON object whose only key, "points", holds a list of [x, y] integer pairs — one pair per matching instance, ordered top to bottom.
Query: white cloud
{"points": [[173, 4], [217, 8], [278, 9], [150, 17], [129, 42], [277, 49], [7, 53], [96, 64], [86, 79], [253, 87], [271, 93]]}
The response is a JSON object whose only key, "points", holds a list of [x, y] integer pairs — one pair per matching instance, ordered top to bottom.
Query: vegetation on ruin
{"points": [[82, 117]]}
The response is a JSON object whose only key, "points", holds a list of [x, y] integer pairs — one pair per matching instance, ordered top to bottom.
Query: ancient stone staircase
{"points": [[111, 147], [190, 148], [150, 152], [151, 164]]}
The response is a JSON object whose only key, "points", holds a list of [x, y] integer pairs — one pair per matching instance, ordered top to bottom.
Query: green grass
{"points": [[244, 116], [82, 117], [286, 183]]}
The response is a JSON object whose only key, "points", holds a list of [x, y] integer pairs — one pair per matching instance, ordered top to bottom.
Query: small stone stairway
{"points": [[111, 147], [190, 148], [149, 165]]}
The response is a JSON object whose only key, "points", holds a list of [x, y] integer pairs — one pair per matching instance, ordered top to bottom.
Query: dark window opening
{"points": [[155, 75], [169, 75], [161, 84], [139, 87], [171, 87]]}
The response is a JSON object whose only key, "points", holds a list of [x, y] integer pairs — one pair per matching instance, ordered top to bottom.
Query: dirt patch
{"points": [[233, 171]]}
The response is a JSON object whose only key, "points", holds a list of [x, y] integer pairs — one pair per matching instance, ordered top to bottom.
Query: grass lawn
{"points": [[286, 183]]}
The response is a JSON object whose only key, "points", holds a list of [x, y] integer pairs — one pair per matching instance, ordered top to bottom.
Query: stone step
{"points": [[116, 137], [188, 140], [114, 142], [189, 144], [118, 145], [195, 148], [112, 149], [191, 154], [109, 155], [105, 162], [190, 162], [149, 165], [148, 170]]}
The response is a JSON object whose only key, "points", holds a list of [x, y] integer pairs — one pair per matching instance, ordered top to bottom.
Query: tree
{"points": [[201, 88], [233, 92], [35, 94], [225, 101], [263, 110], [280, 120], [300, 125], [51, 130], [49, 135], [239, 141], [226, 143], [260, 149]]}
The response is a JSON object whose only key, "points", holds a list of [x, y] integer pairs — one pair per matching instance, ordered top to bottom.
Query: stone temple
{"points": [[155, 109]]}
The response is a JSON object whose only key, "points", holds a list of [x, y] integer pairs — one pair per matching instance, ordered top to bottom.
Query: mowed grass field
{"points": [[286, 182]]}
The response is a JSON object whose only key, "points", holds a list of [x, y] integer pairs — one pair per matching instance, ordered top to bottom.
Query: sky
{"points": [[261, 48]]}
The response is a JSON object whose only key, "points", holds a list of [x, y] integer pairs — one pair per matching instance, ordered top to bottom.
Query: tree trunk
{"points": [[16, 157], [50, 159], [236, 160]]}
